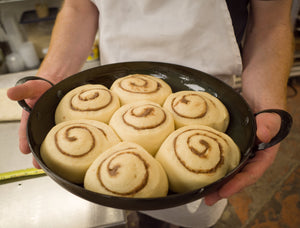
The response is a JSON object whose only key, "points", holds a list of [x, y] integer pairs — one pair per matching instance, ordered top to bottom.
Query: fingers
{"points": [[28, 90], [31, 91], [20, 92], [268, 124], [23, 144], [35, 164], [251, 172], [248, 176], [212, 198]]}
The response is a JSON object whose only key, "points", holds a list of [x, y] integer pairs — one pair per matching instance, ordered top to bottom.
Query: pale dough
{"points": [[136, 87], [91, 101], [196, 107], [144, 122], [71, 146], [195, 156], [127, 170]]}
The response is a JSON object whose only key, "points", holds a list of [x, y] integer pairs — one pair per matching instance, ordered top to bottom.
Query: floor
{"points": [[274, 201]]}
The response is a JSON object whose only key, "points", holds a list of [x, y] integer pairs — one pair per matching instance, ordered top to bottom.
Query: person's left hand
{"points": [[268, 125]]}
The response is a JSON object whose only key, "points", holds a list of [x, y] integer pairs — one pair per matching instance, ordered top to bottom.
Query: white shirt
{"points": [[197, 34]]}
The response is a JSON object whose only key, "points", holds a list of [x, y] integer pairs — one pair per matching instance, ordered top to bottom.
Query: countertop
{"points": [[38, 201]]}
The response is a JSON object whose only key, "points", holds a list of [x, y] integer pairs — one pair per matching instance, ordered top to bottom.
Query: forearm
{"points": [[71, 41], [268, 55]]}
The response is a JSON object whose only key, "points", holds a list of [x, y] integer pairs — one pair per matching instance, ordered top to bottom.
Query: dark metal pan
{"points": [[242, 127]]}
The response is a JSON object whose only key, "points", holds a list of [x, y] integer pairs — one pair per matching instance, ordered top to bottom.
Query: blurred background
{"points": [[25, 30]]}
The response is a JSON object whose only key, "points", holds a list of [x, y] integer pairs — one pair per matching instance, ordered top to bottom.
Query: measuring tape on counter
{"points": [[21, 173]]}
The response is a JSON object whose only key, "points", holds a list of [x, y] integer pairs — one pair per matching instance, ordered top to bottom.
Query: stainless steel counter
{"points": [[39, 201]]}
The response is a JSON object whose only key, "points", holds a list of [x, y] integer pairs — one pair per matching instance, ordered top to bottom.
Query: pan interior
{"points": [[241, 127]]}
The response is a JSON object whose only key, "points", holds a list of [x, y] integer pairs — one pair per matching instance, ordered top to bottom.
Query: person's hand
{"points": [[30, 92], [268, 125]]}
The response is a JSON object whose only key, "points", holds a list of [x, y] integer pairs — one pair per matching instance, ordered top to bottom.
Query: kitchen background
{"points": [[26, 25], [25, 31]]}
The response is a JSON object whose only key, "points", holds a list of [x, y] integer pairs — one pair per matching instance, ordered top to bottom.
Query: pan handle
{"points": [[23, 103], [286, 124]]}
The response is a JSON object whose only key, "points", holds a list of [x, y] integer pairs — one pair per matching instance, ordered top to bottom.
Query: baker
{"points": [[210, 36]]}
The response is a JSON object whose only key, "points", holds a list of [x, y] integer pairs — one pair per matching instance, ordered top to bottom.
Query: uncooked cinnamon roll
{"points": [[136, 87], [94, 102], [196, 107], [144, 122], [71, 146], [195, 156], [127, 170]]}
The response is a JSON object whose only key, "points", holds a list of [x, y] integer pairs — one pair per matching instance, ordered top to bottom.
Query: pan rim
{"points": [[126, 203]]}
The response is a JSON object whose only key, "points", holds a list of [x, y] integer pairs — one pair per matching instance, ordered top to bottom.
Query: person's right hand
{"points": [[30, 92]]}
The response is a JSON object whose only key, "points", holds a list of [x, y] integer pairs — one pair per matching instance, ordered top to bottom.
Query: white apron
{"points": [[197, 34]]}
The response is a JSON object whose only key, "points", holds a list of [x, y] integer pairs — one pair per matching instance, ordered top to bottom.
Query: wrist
{"points": [[55, 72], [261, 96]]}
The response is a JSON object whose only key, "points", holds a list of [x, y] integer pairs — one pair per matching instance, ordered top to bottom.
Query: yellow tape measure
{"points": [[21, 173]]}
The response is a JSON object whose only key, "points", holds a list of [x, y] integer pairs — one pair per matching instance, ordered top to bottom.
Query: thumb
{"points": [[28, 90], [268, 125]]}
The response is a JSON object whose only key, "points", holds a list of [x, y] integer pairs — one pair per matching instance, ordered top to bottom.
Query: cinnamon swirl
{"points": [[136, 87], [94, 102], [196, 107], [144, 122], [71, 146], [195, 156], [127, 170]]}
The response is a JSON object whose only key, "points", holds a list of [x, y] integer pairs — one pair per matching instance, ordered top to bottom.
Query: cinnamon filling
{"points": [[139, 85], [91, 97], [186, 101], [146, 112], [74, 138], [201, 154], [113, 171]]}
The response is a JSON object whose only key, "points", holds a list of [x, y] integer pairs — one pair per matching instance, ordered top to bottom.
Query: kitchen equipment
{"points": [[42, 10], [38, 29], [15, 36], [4, 50], [29, 55], [14, 62], [9, 110], [242, 127], [21, 173], [37, 201]]}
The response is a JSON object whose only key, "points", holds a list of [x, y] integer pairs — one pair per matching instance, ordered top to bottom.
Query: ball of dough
{"points": [[136, 87], [94, 102], [196, 107], [144, 122], [71, 146], [195, 156], [127, 170]]}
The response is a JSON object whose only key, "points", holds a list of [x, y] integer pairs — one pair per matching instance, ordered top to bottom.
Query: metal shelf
{"points": [[10, 1], [32, 17]]}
